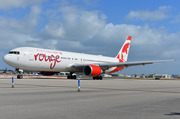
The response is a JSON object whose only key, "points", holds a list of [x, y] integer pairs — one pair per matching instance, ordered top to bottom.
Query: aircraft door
{"points": [[31, 56]]}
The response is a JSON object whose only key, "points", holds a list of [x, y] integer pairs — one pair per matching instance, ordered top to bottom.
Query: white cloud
{"points": [[7, 4], [155, 15], [32, 18], [177, 19], [87, 23], [76, 24], [25, 25], [74, 29], [52, 30], [87, 30], [17, 33], [140, 34], [13, 39], [170, 54]]}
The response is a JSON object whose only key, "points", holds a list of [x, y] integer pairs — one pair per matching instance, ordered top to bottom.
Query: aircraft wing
{"points": [[121, 64]]}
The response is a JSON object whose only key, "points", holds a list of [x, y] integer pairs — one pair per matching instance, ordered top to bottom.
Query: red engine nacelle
{"points": [[92, 70], [46, 73]]}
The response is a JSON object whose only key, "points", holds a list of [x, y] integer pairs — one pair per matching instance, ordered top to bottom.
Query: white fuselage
{"points": [[37, 59], [50, 62]]}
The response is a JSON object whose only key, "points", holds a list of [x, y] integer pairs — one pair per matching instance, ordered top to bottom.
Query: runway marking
{"points": [[115, 89]]}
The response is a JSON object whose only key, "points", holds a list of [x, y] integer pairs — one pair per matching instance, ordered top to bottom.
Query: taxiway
{"points": [[45, 98]]}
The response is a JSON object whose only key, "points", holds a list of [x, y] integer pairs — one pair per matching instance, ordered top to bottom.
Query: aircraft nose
{"points": [[6, 58]]}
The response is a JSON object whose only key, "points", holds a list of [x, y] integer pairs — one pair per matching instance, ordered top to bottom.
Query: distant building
{"points": [[63, 73], [107, 75], [122, 75], [126, 75], [140, 76], [158, 76], [166, 76], [175, 76]]}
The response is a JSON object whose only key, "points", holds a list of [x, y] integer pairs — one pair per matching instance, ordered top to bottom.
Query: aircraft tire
{"points": [[19, 76], [71, 77], [74, 77], [100, 77], [94, 78]]}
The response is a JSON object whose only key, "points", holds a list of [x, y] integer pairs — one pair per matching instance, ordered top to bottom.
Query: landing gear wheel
{"points": [[19, 72], [19, 76], [71, 77], [74, 77], [98, 78]]}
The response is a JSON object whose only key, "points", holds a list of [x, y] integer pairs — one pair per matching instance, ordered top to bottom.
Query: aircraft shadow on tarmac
{"points": [[172, 114]]}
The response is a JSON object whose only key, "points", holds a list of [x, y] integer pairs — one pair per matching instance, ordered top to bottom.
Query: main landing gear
{"points": [[70, 76], [98, 78]]}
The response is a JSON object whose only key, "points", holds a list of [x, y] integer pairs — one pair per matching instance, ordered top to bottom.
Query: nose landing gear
{"points": [[19, 73], [19, 76]]}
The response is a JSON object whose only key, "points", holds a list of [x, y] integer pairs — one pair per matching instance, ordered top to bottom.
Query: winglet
{"points": [[124, 51]]}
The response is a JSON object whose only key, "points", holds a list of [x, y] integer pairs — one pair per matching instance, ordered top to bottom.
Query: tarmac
{"points": [[57, 98]]}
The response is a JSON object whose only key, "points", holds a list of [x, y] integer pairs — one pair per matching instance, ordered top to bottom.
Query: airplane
{"points": [[49, 62], [2, 72]]}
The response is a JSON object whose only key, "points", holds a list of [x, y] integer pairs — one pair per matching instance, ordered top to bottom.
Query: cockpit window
{"points": [[14, 52]]}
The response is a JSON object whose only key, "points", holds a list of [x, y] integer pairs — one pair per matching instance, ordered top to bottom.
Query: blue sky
{"points": [[95, 27]]}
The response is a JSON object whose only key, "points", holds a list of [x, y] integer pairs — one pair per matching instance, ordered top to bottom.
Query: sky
{"points": [[97, 27]]}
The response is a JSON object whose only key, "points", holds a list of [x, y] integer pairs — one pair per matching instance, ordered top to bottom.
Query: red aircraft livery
{"points": [[52, 58], [53, 61]]}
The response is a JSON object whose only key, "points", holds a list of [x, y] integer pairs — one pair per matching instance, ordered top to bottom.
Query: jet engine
{"points": [[92, 70]]}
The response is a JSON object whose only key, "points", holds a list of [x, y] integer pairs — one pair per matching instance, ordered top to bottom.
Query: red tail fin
{"points": [[124, 51]]}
